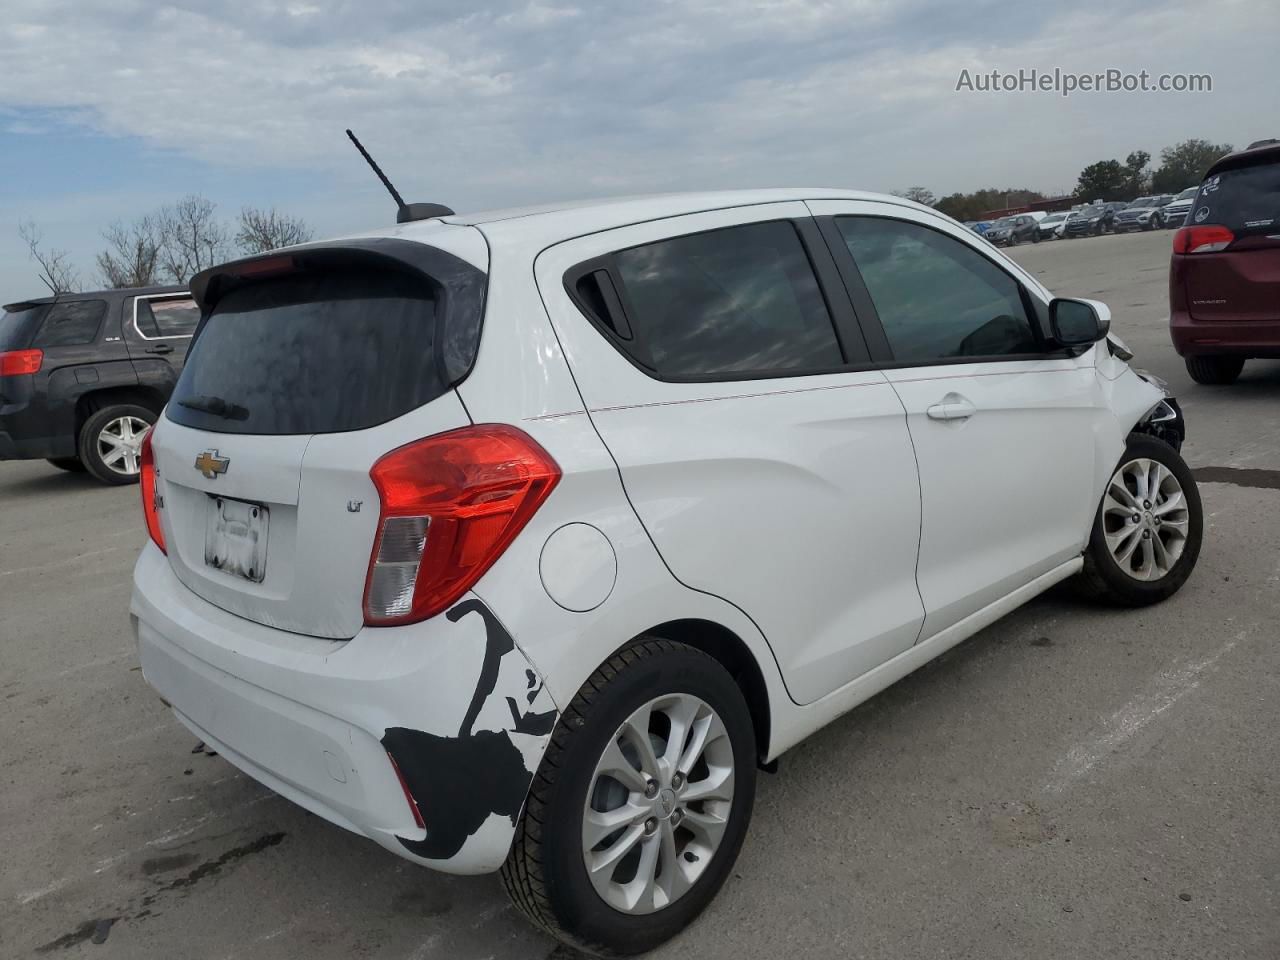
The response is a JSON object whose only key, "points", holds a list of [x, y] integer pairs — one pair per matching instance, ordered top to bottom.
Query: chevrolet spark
{"points": [[519, 541]]}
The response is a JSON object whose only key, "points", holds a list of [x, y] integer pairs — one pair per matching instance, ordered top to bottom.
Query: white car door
{"points": [[1003, 424], [769, 463]]}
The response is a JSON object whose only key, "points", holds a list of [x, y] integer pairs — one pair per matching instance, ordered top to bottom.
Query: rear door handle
{"points": [[160, 348], [951, 407]]}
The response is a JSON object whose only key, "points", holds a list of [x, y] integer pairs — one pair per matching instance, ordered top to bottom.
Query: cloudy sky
{"points": [[109, 108]]}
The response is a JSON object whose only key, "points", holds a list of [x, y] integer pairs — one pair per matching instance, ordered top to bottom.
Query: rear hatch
{"points": [[1236, 276], [18, 324], [305, 370]]}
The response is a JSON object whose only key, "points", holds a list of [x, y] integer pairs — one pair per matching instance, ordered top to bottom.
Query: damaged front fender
{"points": [[469, 787]]}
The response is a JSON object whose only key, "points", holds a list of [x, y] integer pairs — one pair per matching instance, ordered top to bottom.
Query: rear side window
{"points": [[1246, 199], [937, 299], [739, 301], [160, 317], [71, 324], [314, 353]]}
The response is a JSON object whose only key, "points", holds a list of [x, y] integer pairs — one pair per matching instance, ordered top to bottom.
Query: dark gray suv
{"points": [[83, 376]]}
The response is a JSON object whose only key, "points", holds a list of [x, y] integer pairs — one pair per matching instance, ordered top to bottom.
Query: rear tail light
{"points": [[1206, 239], [15, 363], [148, 483], [450, 505]]}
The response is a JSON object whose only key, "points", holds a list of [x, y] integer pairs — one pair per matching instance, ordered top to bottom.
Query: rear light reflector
{"points": [[1208, 239], [15, 363], [149, 484], [450, 505], [408, 795]]}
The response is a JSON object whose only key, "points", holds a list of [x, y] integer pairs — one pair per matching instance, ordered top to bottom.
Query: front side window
{"points": [[937, 299], [739, 300], [167, 317], [71, 324]]}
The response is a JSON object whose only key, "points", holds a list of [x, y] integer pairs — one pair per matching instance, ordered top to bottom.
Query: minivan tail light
{"points": [[1207, 239], [15, 363], [148, 483], [449, 506]]}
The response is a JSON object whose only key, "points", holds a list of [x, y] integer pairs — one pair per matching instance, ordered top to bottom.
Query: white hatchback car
{"points": [[518, 541]]}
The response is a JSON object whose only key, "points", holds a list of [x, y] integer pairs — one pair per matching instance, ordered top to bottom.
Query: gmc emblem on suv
{"points": [[210, 464]]}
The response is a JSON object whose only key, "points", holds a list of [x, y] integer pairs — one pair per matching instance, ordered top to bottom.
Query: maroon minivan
{"points": [[1224, 277]]}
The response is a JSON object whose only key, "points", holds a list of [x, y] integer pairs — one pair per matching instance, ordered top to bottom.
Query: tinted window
{"points": [[1246, 199], [937, 298], [742, 300], [167, 318], [17, 323], [71, 324], [317, 353]]}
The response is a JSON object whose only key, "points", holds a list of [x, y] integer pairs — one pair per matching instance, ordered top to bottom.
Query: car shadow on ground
{"points": [[35, 478]]}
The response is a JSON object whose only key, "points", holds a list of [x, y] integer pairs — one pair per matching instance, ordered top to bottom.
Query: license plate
{"points": [[235, 538]]}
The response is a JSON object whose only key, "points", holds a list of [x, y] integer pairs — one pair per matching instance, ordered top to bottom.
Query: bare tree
{"points": [[919, 195], [263, 230], [191, 237], [132, 257], [56, 271]]}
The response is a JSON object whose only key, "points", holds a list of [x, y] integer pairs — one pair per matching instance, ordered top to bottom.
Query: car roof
{"points": [[1266, 153], [551, 223], [93, 295]]}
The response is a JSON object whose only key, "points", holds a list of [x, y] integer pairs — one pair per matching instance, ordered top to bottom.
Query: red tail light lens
{"points": [[1206, 239], [15, 363], [148, 483], [450, 505]]}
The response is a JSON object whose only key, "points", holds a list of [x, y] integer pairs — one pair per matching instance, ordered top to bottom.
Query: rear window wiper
{"points": [[216, 406]]}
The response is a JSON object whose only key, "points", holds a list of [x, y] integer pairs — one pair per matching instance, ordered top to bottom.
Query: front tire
{"points": [[1215, 371], [111, 442], [1148, 529], [641, 803]]}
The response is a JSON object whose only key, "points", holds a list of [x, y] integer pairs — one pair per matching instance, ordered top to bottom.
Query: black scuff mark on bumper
{"points": [[458, 782]]}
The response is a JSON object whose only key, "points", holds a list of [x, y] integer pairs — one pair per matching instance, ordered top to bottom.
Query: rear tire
{"points": [[1215, 371], [111, 441], [70, 464], [1134, 563], [546, 873]]}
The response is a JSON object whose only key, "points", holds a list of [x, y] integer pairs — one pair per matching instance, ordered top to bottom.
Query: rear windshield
{"points": [[1246, 199], [17, 325], [316, 353]]}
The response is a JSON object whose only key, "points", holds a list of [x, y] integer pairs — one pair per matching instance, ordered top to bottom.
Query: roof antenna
{"points": [[405, 212]]}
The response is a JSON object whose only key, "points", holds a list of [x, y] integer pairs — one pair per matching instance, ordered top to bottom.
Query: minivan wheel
{"points": [[1215, 371], [111, 442], [70, 464], [1147, 531], [640, 805]]}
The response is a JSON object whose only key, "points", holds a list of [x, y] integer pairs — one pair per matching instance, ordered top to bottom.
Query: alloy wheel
{"points": [[120, 444], [1145, 519], [658, 804]]}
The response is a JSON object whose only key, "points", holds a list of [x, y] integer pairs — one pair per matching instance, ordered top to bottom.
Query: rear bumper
{"points": [[1255, 338], [458, 706]]}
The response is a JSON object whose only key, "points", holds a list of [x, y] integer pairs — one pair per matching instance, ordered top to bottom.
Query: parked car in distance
{"points": [[1174, 213], [1142, 214], [1089, 221], [1050, 228], [1010, 231], [1224, 273], [83, 376], [445, 522]]}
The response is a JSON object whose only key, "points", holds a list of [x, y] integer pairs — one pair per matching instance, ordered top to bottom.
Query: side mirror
{"points": [[1077, 323]]}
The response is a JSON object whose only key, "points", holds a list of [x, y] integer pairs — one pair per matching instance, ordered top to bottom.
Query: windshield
{"points": [[1188, 193], [1245, 199], [1142, 202], [1003, 224], [17, 325], [316, 353]]}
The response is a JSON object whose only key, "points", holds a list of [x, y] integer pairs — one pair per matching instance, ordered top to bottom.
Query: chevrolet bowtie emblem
{"points": [[210, 464]]}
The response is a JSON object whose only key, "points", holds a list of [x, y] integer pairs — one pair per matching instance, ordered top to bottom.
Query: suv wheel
{"points": [[1012, 241], [1216, 371], [111, 442], [70, 464], [1147, 531], [641, 803]]}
